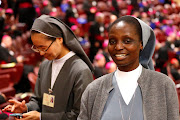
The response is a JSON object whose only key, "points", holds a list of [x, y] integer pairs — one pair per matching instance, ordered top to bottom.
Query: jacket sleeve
{"points": [[83, 78], [172, 101], [83, 115]]}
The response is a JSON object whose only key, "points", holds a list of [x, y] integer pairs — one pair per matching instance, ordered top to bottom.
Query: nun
{"points": [[62, 77], [134, 91]]}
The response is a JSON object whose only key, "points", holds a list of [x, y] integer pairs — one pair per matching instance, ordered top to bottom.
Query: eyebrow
{"points": [[40, 46]]}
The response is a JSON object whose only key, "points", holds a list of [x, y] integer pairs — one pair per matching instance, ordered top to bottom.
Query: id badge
{"points": [[48, 100]]}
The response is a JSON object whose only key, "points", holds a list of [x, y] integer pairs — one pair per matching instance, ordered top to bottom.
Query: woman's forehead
{"points": [[124, 27], [38, 35], [39, 39]]}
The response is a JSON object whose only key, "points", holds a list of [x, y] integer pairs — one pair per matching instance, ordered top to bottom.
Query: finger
{"points": [[13, 101], [23, 103], [7, 108], [13, 108], [25, 115]]}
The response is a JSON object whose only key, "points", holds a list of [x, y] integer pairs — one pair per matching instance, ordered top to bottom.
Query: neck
{"points": [[64, 52], [127, 69]]}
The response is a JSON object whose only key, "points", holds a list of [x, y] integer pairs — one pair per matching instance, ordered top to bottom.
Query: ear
{"points": [[60, 40], [141, 47]]}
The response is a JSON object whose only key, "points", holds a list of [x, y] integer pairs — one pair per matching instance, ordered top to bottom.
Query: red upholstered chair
{"points": [[14, 72], [32, 79], [5, 87]]}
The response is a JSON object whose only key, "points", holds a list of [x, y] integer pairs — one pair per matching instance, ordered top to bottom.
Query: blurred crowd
{"points": [[89, 20]]}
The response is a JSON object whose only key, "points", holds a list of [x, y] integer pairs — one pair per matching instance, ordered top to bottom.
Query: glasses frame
{"points": [[37, 50]]}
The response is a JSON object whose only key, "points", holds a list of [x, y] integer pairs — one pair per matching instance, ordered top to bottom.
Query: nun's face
{"points": [[124, 46], [49, 49]]}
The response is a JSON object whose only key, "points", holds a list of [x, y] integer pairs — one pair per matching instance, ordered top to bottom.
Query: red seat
{"points": [[14, 72], [32, 79], [4, 80], [5, 87]]}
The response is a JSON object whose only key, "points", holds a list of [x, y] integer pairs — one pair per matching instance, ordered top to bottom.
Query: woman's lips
{"points": [[120, 56]]}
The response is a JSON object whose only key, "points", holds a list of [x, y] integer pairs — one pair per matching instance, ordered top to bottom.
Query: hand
{"points": [[17, 107], [32, 115]]}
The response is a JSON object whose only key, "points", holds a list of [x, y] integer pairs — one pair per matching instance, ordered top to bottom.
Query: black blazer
{"points": [[5, 56]]}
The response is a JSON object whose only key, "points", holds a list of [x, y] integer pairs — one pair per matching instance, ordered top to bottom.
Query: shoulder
{"points": [[2, 48], [45, 62], [78, 64], [45, 65], [157, 77], [100, 82]]}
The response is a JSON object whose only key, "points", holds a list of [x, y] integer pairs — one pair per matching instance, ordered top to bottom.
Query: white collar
{"points": [[3, 45], [64, 58], [57, 66], [127, 82]]}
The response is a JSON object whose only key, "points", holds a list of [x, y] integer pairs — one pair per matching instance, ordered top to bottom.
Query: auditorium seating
{"points": [[5, 87]]}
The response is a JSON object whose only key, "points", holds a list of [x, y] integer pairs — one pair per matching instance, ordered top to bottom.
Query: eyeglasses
{"points": [[35, 49]]}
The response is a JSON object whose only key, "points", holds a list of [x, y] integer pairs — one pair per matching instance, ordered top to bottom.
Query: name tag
{"points": [[48, 100]]}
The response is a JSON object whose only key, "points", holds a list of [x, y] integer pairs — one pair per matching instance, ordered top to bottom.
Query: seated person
{"points": [[7, 56], [99, 65], [174, 66]]}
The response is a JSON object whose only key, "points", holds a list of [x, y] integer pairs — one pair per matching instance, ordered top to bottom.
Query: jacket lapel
{"points": [[142, 83], [102, 97]]}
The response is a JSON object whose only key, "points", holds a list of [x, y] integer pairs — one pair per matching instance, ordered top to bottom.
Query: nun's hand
{"points": [[17, 107], [32, 115]]}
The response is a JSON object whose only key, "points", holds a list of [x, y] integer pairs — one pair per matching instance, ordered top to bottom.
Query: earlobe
{"points": [[60, 40], [141, 47]]}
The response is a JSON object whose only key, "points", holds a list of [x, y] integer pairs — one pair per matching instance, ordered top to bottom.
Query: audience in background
{"points": [[7, 56], [174, 69]]}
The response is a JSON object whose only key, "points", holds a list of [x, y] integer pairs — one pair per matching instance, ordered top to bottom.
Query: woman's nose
{"points": [[119, 46]]}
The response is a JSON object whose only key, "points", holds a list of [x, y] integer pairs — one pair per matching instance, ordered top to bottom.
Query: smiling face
{"points": [[124, 45], [56, 50]]}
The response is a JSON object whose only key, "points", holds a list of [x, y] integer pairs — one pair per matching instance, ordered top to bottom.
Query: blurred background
{"points": [[89, 20]]}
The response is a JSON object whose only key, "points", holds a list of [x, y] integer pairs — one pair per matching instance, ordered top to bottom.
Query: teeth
{"points": [[120, 55]]}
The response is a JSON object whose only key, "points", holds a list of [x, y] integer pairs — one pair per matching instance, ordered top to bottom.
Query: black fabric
{"points": [[5, 56], [2, 99], [3, 116]]}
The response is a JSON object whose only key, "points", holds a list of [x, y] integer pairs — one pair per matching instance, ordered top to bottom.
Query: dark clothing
{"points": [[116, 8], [26, 12], [70, 17], [95, 38], [5, 56], [163, 57], [98, 72], [175, 74], [70, 83], [23, 85], [2, 100]]}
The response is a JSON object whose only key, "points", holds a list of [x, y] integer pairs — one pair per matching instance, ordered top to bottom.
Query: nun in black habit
{"points": [[62, 78]]}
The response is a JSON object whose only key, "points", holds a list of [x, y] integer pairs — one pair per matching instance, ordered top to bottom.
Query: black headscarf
{"points": [[54, 27]]}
